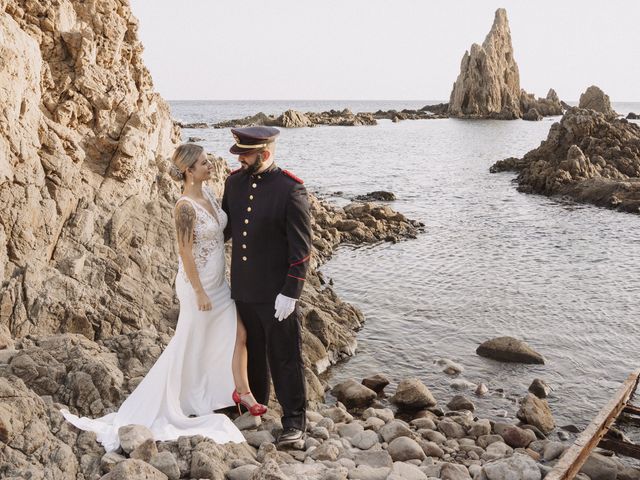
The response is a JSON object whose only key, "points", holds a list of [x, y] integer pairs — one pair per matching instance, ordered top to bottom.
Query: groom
{"points": [[270, 226]]}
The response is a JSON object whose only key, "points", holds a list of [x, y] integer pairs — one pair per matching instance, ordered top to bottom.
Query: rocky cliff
{"points": [[488, 85], [85, 210]]}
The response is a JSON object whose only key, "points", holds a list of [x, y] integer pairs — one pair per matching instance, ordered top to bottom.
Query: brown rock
{"points": [[595, 99], [509, 349], [376, 382], [413, 394], [536, 412]]}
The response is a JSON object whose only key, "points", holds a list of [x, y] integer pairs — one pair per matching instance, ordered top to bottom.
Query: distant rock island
{"points": [[488, 85], [590, 156]]}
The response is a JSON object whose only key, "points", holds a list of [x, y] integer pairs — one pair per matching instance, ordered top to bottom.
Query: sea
{"points": [[562, 276]]}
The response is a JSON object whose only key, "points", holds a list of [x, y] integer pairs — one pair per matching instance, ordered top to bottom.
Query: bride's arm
{"points": [[185, 217]]}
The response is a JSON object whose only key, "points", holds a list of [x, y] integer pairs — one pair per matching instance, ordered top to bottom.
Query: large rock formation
{"points": [[488, 85], [588, 156], [85, 210]]}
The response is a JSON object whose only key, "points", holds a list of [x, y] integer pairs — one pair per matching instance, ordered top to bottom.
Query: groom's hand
{"points": [[284, 306]]}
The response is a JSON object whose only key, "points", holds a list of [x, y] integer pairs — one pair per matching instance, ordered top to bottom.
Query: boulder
{"points": [[377, 196], [509, 349], [376, 382], [540, 388], [353, 394], [413, 394], [460, 402], [536, 412], [517, 437], [404, 448], [132, 468]]}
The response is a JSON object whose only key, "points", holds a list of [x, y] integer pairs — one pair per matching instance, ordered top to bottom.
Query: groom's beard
{"points": [[257, 165]]}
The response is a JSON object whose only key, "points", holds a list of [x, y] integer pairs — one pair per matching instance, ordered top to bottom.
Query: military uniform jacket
{"points": [[270, 226]]}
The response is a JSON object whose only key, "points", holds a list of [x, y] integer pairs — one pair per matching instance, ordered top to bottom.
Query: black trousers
{"points": [[275, 347]]}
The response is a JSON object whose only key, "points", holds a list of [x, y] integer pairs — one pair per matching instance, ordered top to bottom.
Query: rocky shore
{"points": [[342, 118], [590, 156]]}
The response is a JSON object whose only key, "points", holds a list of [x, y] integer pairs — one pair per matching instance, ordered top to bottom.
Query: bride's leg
{"points": [[239, 363]]}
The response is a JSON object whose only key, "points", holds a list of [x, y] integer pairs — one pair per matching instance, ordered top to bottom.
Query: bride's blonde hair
{"points": [[185, 156]]}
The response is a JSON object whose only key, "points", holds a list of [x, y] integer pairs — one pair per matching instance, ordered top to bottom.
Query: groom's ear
{"points": [[266, 154]]}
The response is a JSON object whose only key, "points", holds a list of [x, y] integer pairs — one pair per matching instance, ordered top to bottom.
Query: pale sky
{"points": [[381, 49]]}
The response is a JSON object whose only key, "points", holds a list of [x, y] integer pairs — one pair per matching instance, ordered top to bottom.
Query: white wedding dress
{"points": [[193, 375]]}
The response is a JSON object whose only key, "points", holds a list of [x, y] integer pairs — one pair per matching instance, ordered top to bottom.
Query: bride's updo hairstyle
{"points": [[185, 156]]}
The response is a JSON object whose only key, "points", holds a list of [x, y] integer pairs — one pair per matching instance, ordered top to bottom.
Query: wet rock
{"points": [[595, 99], [633, 116], [195, 139], [376, 196], [509, 349], [449, 366], [376, 382], [540, 388], [481, 389], [353, 394], [413, 394], [460, 402], [536, 412], [480, 428], [404, 448], [516, 467]]}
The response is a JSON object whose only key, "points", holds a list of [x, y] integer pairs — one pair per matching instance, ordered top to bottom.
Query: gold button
{"points": [[259, 177], [254, 185], [250, 197], [248, 209], [246, 221], [244, 234], [244, 246], [244, 259]]}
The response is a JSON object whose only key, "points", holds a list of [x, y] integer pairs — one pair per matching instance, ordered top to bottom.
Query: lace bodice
{"points": [[208, 236]]}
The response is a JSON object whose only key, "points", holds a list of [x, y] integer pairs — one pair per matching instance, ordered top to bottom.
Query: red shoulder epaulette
{"points": [[235, 171], [289, 174]]}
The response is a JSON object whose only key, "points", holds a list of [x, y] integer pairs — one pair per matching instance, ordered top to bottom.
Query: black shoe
{"points": [[290, 435]]}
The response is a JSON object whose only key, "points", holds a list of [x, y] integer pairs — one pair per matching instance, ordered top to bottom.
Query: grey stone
{"points": [[509, 349], [376, 382], [539, 388], [353, 394], [413, 394], [460, 402], [536, 412], [246, 421], [451, 429], [348, 430], [393, 430], [132, 436], [517, 437], [257, 438], [365, 440], [404, 448], [553, 450], [373, 458], [167, 464], [516, 467], [599, 467], [133, 468], [407, 471], [451, 471], [364, 472], [241, 473]]}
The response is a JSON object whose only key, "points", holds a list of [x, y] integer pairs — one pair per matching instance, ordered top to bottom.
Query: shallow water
{"points": [[492, 261]]}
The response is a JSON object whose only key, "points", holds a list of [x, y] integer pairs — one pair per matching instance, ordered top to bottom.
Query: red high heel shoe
{"points": [[257, 410]]}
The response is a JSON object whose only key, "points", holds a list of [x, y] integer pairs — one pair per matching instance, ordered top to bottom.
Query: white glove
{"points": [[284, 306]]}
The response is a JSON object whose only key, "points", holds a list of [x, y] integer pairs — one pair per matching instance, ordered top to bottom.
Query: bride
{"points": [[204, 367]]}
